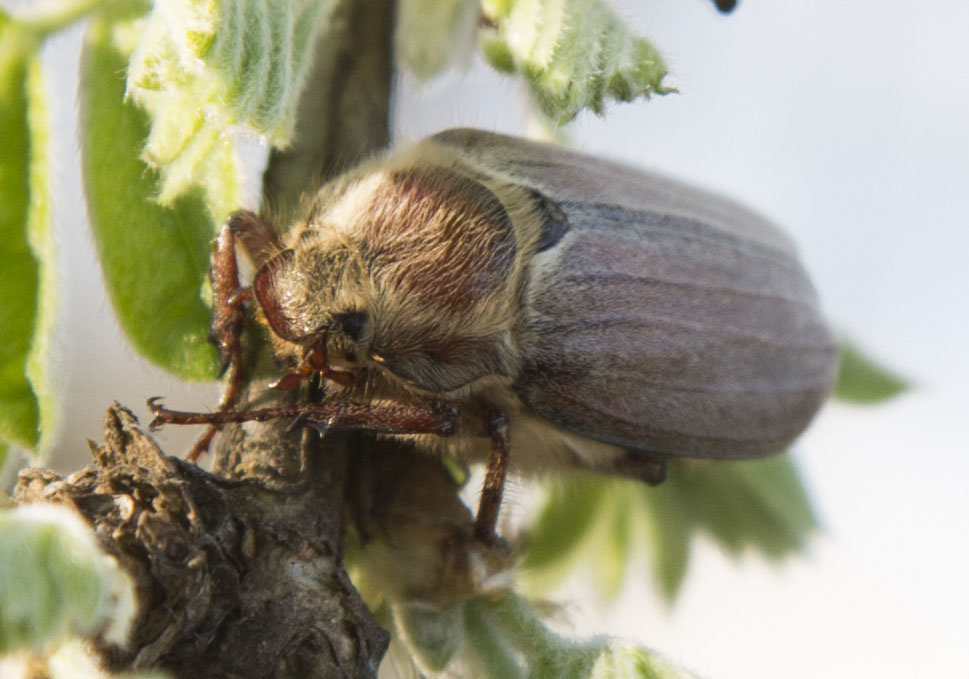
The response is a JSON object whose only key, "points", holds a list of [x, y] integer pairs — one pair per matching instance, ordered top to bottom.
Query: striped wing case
{"points": [[660, 318]]}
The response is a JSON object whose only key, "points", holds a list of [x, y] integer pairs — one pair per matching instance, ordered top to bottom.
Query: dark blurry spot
{"points": [[725, 5], [554, 222], [352, 324]]}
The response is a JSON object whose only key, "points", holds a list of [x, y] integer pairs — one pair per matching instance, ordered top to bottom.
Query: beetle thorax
{"points": [[417, 270]]}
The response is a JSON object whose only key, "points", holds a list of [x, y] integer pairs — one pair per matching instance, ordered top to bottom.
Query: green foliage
{"points": [[432, 34], [574, 54], [202, 69], [41, 239], [27, 258], [154, 258], [20, 278], [861, 380], [755, 505], [758, 505], [567, 520], [668, 535], [56, 583], [431, 634], [504, 638], [488, 650], [622, 661]]}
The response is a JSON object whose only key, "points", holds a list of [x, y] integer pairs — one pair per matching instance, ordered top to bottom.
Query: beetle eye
{"points": [[352, 324]]}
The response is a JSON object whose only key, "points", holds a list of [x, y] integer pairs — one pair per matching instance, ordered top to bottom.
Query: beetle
{"points": [[498, 299]]}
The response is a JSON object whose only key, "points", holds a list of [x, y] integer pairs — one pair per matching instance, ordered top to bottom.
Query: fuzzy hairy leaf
{"points": [[574, 54], [204, 68], [154, 258], [861, 380], [55, 581], [434, 636], [505, 636], [488, 649], [623, 661]]}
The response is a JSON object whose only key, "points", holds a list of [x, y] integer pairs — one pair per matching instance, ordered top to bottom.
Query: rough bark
{"points": [[240, 574], [235, 578]]}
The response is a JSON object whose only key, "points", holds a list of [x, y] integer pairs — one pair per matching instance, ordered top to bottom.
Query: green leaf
{"points": [[433, 34], [574, 54], [204, 69], [40, 235], [154, 258], [19, 270], [28, 285], [861, 380], [748, 504], [758, 505], [566, 521], [668, 533], [615, 546], [55, 582], [433, 636], [504, 637], [488, 647], [544, 654], [623, 661]]}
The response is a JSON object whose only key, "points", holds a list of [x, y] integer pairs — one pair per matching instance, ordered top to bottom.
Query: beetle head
{"points": [[307, 297]]}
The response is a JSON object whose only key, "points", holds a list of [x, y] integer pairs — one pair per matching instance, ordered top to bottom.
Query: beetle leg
{"points": [[258, 239], [227, 300], [226, 329], [383, 418], [650, 469], [494, 483]]}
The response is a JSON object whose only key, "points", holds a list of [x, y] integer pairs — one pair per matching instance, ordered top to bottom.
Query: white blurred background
{"points": [[848, 124]]}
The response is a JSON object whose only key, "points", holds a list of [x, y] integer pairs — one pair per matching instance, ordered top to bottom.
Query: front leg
{"points": [[228, 299], [228, 317], [378, 418]]}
